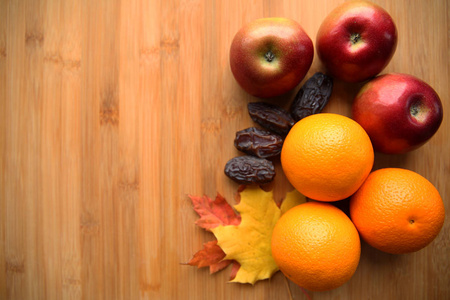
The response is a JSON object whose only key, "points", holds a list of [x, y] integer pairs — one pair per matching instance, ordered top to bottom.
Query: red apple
{"points": [[356, 41], [269, 57], [399, 112]]}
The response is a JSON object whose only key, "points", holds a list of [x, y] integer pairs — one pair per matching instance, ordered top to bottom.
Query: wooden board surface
{"points": [[112, 112]]}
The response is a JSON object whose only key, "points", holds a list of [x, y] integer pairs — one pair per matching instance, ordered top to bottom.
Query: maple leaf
{"points": [[293, 198], [214, 213], [245, 237], [249, 242], [210, 256], [234, 269]]}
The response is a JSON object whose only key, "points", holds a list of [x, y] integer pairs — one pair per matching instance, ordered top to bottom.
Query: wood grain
{"points": [[112, 112]]}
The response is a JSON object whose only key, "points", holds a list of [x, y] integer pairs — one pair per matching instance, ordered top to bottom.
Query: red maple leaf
{"points": [[214, 213], [225, 223], [210, 256], [234, 269]]}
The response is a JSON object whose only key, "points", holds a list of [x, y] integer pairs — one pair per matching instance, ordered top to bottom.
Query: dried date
{"points": [[312, 96], [271, 117], [258, 142], [250, 170]]}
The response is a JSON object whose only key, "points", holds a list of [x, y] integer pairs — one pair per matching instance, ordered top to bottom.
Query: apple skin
{"points": [[356, 41], [270, 56], [399, 112]]}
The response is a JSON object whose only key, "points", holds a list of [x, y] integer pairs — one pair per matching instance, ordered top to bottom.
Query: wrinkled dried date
{"points": [[312, 96], [271, 117], [258, 142], [250, 170]]}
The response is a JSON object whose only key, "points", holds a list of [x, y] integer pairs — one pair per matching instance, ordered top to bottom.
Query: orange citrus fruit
{"points": [[327, 156], [397, 211], [316, 246]]}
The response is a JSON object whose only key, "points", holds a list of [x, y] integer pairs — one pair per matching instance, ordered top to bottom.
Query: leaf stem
{"points": [[288, 288], [290, 292], [306, 293]]}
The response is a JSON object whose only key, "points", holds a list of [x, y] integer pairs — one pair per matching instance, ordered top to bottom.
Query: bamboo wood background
{"points": [[113, 111]]}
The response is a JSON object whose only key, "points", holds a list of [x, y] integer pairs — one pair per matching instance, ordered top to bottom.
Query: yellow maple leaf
{"points": [[292, 199], [249, 243]]}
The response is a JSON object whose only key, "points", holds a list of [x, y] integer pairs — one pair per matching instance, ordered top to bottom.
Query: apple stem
{"points": [[355, 37], [269, 56], [414, 110]]}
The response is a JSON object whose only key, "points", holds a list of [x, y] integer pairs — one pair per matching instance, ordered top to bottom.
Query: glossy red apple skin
{"points": [[377, 42], [270, 56], [398, 111]]}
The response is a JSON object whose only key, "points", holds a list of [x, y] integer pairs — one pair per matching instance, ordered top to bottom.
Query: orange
{"points": [[327, 157], [397, 211], [316, 246]]}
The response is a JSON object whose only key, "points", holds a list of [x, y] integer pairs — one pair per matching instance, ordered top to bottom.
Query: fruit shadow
{"points": [[342, 97], [284, 100], [383, 160], [375, 261]]}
